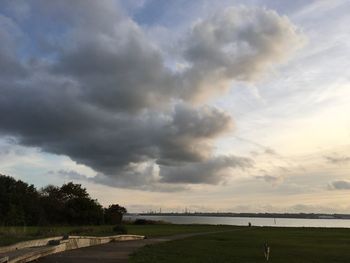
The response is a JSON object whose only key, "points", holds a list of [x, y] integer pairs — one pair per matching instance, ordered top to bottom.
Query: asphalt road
{"points": [[115, 252]]}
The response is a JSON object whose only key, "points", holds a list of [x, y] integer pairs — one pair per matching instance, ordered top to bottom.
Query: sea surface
{"points": [[243, 221]]}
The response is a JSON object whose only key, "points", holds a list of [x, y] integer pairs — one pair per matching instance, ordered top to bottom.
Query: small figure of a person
{"points": [[249, 224], [266, 251]]}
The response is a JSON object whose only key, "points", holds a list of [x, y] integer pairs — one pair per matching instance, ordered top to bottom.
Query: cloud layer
{"points": [[98, 90]]}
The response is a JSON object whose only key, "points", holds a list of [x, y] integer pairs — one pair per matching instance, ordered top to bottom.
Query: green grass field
{"points": [[172, 229], [232, 244], [245, 244]]}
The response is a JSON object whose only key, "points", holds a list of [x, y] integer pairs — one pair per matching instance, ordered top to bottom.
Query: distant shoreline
{"points": [[256, 215]]}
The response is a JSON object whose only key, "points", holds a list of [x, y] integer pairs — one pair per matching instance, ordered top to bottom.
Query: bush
{"points": [[114, 214], [142, 221], [120, 229], [45, 231], [81, 231]]}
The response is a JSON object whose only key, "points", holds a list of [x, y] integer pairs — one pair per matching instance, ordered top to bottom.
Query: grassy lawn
{"points": [[172, 229], [10, 235], [235, 244], [245, 244]]}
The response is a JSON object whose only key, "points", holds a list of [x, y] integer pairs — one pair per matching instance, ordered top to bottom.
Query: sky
{"points": [[235, 106]]}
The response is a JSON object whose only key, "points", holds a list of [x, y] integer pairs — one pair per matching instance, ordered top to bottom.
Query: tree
{"points": [[71, 191], [19, 202], [22, 204], [70, 204], [53, 205], [79, 207], [114, 214]]}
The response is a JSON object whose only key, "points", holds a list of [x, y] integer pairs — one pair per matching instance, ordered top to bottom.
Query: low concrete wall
{"points": [[73, 242], [29, 243]]}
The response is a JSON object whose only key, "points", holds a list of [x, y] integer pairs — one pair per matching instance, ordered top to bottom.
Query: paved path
{"points": [[116, 252]]}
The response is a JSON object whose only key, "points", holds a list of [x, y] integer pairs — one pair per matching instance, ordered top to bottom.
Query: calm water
{"points": [[243, 221]]}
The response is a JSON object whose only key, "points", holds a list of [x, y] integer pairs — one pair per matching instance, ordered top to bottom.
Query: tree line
{"points": [[22, 204]]}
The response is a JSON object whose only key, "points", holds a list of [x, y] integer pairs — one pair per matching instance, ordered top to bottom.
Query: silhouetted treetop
{"points": [[22, 204]]}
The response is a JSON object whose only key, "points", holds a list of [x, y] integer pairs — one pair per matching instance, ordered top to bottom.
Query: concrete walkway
{"points": [[34, 249], [116, 252]]}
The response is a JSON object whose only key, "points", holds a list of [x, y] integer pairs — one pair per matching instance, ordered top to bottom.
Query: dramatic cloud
{"points": [[236, 44], [113, 54], [9, 64], [98, 90], [108, 143], [211, 171], [142, 177], [339, 185]]}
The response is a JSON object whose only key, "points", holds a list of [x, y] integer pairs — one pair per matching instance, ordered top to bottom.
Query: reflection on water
{"points": [[243, 221]]}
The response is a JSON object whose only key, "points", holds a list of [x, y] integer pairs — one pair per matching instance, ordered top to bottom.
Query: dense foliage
{"points": [[70, 204], [114, 214]]}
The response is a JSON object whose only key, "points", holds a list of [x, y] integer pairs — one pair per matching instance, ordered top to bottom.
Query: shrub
{"points": [[142, 221], [120, 229], [45, 231], [81, 231]]}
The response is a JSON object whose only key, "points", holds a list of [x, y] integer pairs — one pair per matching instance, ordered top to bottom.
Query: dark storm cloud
{"points": [[9, 64], [120, 72], [97, 90], [188, 136], [108, 142], [211, 171], [130, 178]]}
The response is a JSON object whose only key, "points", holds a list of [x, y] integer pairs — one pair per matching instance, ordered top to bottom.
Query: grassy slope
{"points": [[10, 235], [297, 245]]}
